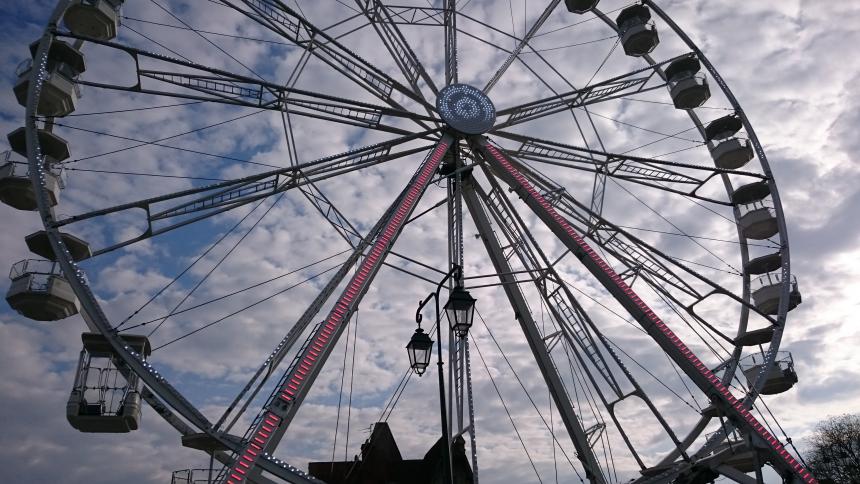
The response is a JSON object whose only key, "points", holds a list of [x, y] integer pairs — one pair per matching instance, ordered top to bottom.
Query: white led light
{"points": [[466, 109]]}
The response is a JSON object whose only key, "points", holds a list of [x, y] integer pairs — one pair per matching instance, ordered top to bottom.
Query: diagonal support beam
{"points": [[276, 16], [383, 22], [522, 44], [635, 82], [204, 83], [575, 324], [533, 336], [709, 383], [280, 411]]}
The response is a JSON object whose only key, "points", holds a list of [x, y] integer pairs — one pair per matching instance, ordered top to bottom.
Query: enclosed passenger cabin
{"points": [[580, 6], [98, 19], [637, 32], [687, 86], [60, 94], [54, 148], [728, 151], [16, 189], [751, 193], [757, 218], [39, 244], [764, 264], [40, 291], [767, 292], [755, 337], [779, 379], [105, 397], [205, 442], [733, 451]]}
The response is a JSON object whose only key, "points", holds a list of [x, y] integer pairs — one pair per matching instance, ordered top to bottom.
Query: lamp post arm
{"points": [[455, 272], [418, 316]]}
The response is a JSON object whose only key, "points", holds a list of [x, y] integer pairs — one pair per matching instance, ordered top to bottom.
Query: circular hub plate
{"points": [[466, 109]]}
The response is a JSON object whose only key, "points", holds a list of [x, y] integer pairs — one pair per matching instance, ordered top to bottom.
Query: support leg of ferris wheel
{"points": [[533, 337], [459, 365], [299, 378], [460, 398], [735, 410]]}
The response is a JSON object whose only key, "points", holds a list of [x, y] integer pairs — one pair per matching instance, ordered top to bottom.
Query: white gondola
{"points": [[580, 6], [98, 19], [637, 32], [687, 86], [60, 94], [54, 148], [727, 150], [16, 190], [752, 192], [758, 220], [38, 244], [764, 264], [40, 291], [767, 291], [755, 337], [779, 379], [102, 399], [207, 443], [733, 452]]}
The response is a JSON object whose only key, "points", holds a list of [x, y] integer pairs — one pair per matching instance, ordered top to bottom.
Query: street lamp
{"points": [[460, 308], [419, 348]]}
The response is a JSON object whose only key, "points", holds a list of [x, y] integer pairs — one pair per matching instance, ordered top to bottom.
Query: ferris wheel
{"points": [[584, 166]]}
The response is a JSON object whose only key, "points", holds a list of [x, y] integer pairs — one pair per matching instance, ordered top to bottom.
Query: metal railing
{"points": [[686, 75], [757, 205], [772, 279], [783, 361]]}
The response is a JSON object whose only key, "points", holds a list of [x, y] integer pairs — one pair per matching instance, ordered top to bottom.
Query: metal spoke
{"points": [[279, 18], [382, 21], [450, 42], [522, 44], [635, 82], [219, 86], [663, 175], [220, 197], [638, 255], [643, 262]]}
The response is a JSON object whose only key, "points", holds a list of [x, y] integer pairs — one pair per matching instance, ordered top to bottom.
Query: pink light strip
{"points": [[653, 318], [320, 339], [246, 460]]}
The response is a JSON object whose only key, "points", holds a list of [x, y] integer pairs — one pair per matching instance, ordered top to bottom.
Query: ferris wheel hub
{"points": [[466, 109]]}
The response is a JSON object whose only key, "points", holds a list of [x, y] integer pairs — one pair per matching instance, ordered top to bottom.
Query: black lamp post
{"points": [[460, 309]]}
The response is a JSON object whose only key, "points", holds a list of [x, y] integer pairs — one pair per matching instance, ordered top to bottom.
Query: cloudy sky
{"points": [[790, 63]]}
